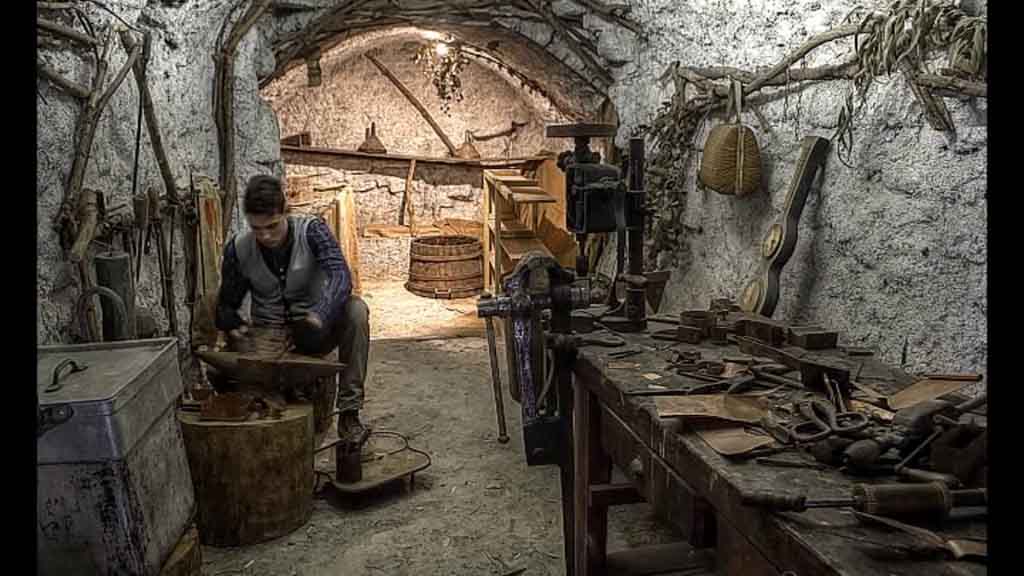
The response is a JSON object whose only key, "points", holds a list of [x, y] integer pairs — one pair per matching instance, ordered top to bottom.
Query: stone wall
{"points": [[354, 94], [378, 201], [891, 251]]}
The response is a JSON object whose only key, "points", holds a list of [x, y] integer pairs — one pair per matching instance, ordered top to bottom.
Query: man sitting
{"points": [[298, 278]]}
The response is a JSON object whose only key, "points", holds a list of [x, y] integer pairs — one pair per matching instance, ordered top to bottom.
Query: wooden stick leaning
{"points": [[414, 101], [224, 105], [85, 134]]}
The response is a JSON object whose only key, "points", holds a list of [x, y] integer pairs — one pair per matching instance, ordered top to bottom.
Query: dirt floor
{"points": [[477, 510]]}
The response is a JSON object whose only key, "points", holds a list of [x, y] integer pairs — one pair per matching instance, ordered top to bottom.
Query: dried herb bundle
{"points": [[902, 39], [443, 63]]}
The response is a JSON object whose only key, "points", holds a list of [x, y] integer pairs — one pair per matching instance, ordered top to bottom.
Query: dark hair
{"points": [[263, 195]]}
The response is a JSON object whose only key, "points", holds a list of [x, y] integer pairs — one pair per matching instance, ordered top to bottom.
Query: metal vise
{"points": [[536, 284]]}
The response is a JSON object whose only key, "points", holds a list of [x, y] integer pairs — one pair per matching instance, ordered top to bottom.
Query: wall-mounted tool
{"points": [[762, 294]]}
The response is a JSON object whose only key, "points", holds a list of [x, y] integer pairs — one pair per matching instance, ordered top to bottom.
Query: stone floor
{"points": [[477, 510]]}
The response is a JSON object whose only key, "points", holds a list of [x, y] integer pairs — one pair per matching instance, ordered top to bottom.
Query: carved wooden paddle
{"points": [[762, 294]]}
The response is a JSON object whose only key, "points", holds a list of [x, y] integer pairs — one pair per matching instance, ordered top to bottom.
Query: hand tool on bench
{"points": [[823, 421], [910, 424], [933, 500]]}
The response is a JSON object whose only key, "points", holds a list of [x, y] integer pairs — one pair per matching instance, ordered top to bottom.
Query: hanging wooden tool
{"points": [[762, 294]]}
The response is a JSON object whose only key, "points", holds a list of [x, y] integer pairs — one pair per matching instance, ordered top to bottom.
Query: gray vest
{"points": [[303, 284]]}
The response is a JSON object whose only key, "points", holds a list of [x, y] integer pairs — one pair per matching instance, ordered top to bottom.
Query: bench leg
{"points": [[592, 466]]}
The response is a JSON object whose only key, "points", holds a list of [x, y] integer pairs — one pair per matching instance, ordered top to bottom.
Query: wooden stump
{"points": [[253, 480]]}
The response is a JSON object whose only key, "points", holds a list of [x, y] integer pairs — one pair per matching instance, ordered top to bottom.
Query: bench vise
{"points": [[537, 283]]}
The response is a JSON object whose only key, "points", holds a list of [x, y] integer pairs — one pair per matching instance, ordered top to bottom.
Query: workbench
{"points": [[698, 491]]}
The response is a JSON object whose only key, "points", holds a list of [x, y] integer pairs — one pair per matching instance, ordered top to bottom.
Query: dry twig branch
{"points": [[70, 33], [800, 52], [73, 88], [224, 102], [152, 123], [86, 133]]}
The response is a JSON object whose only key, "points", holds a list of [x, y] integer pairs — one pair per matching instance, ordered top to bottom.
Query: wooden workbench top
{"points": [[818, 542]]}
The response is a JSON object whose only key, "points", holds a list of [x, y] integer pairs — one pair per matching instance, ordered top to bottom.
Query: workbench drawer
{"points": [[672, 500]]}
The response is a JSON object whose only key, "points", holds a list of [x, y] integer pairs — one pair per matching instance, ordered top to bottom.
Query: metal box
{"points": [[114, 491]]}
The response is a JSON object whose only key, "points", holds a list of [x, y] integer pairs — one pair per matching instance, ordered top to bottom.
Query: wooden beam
{"points": [[563, 31], [954, 85], [414, 101], [407, 207], [605, 495]]}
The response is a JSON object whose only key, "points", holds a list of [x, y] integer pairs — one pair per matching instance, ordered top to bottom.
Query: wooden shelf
{"points": [[523, 197], [514, 208], [516, 248]]}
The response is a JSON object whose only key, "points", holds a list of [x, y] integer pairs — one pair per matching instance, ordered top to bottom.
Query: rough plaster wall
{"points": [[180, 78], [354, 93], [378, 200], [892, 249]]}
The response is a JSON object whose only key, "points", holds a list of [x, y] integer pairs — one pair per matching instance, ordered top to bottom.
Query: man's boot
{"points": [[350, 429]]}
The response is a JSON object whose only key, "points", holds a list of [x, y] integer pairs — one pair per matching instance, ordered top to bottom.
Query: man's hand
{"points": [[314, 320], [238, 338]]}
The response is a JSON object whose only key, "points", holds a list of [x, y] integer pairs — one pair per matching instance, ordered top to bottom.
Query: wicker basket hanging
{"points": [[731, 163]]}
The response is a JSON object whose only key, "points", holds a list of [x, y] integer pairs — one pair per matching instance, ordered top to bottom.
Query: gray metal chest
{"points": [[114, 490]]}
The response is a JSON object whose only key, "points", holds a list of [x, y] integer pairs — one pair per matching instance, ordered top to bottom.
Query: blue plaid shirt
{"points": [[234, 285]]}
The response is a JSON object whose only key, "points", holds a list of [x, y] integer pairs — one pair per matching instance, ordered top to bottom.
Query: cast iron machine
{"points": [[598, 200]]}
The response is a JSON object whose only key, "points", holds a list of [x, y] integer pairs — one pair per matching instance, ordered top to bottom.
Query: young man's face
{"points": [[270, 230]]}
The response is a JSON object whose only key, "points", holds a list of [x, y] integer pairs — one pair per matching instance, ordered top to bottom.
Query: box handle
{"points": [[55, 383]]}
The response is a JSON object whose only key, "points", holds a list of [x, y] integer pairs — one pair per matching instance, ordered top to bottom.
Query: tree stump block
{"points": [[253, 480]]}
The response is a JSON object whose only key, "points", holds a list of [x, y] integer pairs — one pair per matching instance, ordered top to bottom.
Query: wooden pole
{"points": [[415, 102], [408, 212]]}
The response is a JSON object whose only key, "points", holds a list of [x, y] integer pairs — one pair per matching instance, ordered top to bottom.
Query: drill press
{"points": [[599, 201]]}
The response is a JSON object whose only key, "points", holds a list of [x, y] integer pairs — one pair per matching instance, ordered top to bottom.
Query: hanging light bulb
{"points": [[441, 48]]}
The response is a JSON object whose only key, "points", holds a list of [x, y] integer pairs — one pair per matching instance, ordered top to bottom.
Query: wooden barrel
{"points": [[446, 267], [253, 480]]}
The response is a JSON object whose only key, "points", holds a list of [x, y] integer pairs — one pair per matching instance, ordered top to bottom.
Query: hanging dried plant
{"points": [[903, 38], [443, 62]]}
